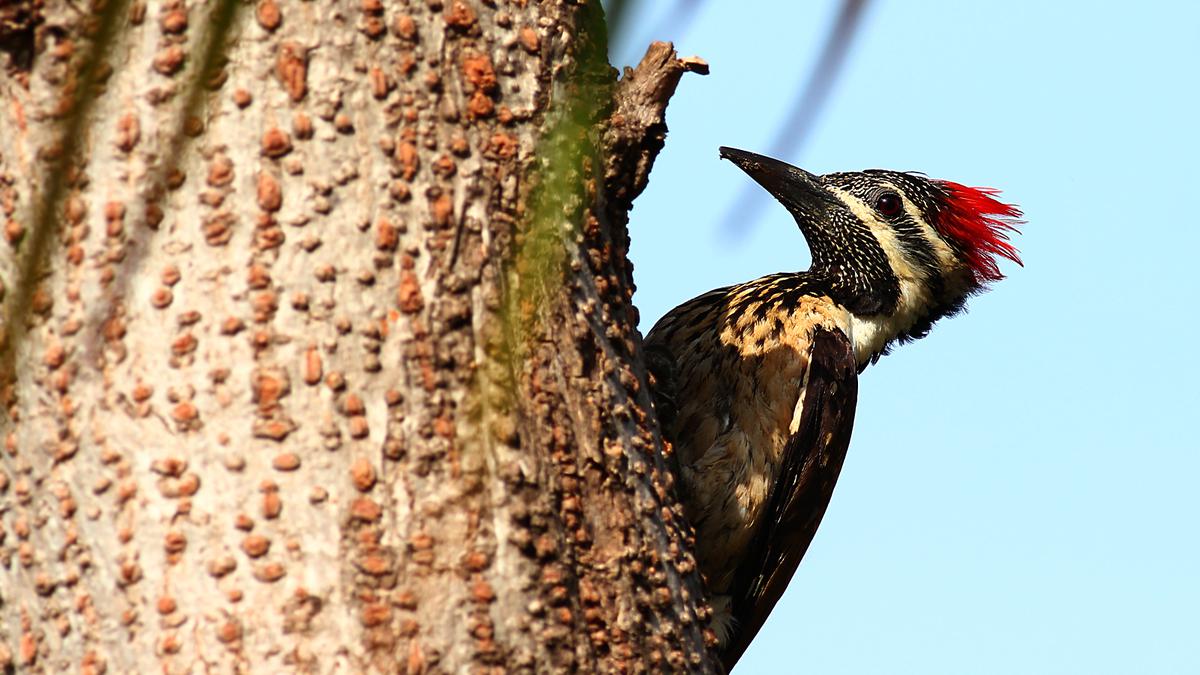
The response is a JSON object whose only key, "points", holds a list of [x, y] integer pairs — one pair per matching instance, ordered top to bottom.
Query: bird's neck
{"points": [[876, 321], [873, 334]]}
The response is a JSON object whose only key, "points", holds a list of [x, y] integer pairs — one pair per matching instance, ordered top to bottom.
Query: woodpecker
{"points": [[755, 384]]}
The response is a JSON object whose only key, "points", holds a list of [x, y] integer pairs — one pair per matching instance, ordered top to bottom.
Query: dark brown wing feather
{"points": [[812, 460]]}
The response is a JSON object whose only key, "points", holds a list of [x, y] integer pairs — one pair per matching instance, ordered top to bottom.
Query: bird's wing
{"points": [[811, 462]]}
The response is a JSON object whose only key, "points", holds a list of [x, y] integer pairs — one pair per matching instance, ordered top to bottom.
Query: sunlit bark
{"points": [[319, 351]]}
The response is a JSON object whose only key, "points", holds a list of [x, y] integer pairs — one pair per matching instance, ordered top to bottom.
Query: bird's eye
{"points": [[889, 204]]}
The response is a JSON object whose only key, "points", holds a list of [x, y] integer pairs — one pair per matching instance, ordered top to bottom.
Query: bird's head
{"points": [[892, 242]]}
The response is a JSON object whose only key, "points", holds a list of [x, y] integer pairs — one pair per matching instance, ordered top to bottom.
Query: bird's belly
{"points": [[732, 482]]}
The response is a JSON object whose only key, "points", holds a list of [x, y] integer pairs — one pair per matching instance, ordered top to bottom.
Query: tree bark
{"points": [[319, 350]]}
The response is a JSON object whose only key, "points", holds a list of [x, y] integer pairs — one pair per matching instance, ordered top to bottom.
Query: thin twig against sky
{"points": [[747, 207]]}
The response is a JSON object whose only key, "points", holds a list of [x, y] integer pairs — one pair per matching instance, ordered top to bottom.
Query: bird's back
{"points": [[739, 358]]}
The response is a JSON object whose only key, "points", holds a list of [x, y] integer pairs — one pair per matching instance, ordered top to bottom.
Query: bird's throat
{"points": [[871, 335]]}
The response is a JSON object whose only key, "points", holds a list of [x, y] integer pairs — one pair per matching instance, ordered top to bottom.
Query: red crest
{"points": [[979, 224]]}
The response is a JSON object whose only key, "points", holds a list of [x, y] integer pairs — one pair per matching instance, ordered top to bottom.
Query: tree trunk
{"points": [[319, 350]]}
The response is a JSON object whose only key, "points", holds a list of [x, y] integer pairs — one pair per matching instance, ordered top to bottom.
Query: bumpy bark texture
{"points": [[319, 351]]}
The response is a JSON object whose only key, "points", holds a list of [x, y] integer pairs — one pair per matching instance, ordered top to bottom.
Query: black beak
{"points": [[800, 191]]}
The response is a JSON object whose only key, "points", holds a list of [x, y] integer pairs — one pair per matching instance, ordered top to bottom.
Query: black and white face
{"points": [[900, 211], [867, 237], [898, 250]]}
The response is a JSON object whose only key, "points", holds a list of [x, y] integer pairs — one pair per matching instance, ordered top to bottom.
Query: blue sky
{"points": [[1021, 494]]}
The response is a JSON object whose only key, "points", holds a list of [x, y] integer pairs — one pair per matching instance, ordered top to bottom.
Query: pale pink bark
{"points": [[271, 407]]}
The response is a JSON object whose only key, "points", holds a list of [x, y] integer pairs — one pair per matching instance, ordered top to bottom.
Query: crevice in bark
{"points": [[19, 22]]}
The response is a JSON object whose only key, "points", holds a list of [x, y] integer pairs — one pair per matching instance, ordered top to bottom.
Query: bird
{"points": [[755, 384]]}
